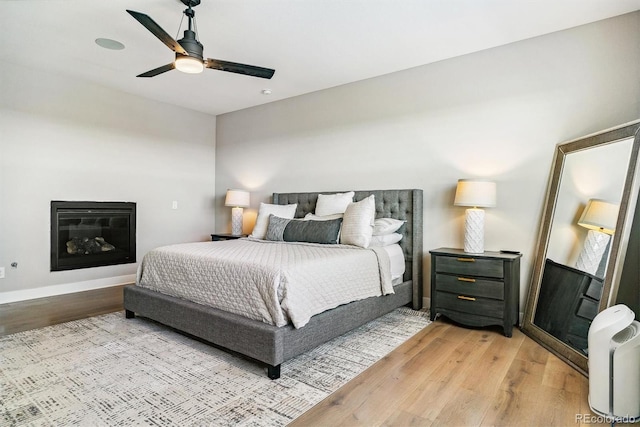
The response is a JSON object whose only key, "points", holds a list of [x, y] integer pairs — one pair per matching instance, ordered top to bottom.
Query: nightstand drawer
{"points": [[468, 265], [471, 286], [468, 304]]}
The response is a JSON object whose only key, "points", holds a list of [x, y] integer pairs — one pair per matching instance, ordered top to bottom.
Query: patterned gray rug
{"points": [[108, 371]]}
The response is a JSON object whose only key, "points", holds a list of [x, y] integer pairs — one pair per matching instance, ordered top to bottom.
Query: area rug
{"points": [[112, 371]]}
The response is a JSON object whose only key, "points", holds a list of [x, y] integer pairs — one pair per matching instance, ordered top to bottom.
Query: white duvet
{"points": [[274, 282]]}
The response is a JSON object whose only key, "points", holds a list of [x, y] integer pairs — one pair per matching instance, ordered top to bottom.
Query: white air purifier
{"points": [[614, 364]]}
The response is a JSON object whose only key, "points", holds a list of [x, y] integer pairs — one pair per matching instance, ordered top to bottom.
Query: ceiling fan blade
{"points": [[157, 31], [234, 67], [158, 70]]}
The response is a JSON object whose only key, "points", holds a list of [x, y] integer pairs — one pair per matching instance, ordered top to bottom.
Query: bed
{"points": [[273, 345]]}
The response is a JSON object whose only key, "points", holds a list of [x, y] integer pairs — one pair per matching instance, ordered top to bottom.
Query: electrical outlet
{"points": [[174, 204], [1, 272]]}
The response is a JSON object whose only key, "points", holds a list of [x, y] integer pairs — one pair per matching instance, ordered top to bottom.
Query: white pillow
{"points": [[329, 204], [266, 209], [312, 217], [357, 223], [384, 226], [385, 240]]}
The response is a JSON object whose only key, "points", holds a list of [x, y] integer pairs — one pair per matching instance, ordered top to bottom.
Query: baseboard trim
{"points": [[65, 288]]}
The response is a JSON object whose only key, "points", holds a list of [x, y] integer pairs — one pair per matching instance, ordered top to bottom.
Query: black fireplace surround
{"points": [[92, 234]]}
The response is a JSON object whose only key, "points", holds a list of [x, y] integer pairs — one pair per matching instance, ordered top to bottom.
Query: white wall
{"points": [[496, 114], [63, 139]]}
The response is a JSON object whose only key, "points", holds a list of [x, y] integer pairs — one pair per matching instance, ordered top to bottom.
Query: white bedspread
{"points": [[274, 282]]}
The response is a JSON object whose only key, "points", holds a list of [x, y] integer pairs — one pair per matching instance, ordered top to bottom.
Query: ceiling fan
{"points": [[189, 50]]}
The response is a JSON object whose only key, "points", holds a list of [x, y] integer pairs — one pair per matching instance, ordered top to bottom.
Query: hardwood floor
{"points": [[40, 312], [446, 375]]}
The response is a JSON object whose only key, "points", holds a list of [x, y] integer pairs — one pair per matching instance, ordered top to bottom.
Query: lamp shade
{"points": [[475, 193], [237, 199], [600, 215]]}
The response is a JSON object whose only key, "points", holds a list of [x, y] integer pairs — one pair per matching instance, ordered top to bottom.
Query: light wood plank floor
{"points": [[40, 312], [446, 375]]}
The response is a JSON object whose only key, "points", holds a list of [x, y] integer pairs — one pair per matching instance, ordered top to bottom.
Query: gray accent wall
{"points": [[496, 114]]}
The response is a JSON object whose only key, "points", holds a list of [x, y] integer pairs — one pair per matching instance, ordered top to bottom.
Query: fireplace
{"points": [[92, 234]]}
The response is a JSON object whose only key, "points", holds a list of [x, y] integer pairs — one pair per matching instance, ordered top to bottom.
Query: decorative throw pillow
{"points": [[329, 204], [266, 209], [312, 217], [357, 224], [384, 226], [296, 230], [385, 240]]}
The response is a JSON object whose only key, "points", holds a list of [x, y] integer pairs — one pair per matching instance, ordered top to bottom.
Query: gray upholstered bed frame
{"points": [[273, 345]]}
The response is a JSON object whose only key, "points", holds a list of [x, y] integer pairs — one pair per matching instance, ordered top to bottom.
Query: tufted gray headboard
{"points": [[399, 204]]}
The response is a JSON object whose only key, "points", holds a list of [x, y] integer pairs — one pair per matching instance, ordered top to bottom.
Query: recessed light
{"points": [[109, 44], [266, 91]]}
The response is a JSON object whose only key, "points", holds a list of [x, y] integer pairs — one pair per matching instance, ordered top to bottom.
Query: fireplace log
{"points": [[86, 245]]}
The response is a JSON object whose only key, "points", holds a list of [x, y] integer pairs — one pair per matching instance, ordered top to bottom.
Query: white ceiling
{"points": [[312, 44]]}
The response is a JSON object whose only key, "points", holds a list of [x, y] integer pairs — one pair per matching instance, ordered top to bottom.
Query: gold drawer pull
{"points": [[466, 259], [466, 279], [466, 298]]}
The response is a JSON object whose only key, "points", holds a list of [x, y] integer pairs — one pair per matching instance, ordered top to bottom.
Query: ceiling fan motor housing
{"points": [[191, 45]]}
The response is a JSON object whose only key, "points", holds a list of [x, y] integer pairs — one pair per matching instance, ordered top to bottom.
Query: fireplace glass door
{"points": [[92, 234]]}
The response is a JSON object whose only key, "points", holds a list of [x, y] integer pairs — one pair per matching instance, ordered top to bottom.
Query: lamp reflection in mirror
{"points": [[476, 194], [237, 199], [599, 217]]}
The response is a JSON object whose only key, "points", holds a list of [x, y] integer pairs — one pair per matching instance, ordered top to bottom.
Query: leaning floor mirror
{"points": [[584, 234]]}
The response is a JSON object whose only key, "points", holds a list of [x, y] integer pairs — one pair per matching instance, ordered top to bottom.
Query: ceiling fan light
{"points": [[189, 64]]}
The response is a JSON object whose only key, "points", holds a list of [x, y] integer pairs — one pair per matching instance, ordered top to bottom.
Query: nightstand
{"points": [[226, 236], [476, 289]]}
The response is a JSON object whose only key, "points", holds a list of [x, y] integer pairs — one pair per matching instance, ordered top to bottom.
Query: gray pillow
{"points": [[296, 230]]}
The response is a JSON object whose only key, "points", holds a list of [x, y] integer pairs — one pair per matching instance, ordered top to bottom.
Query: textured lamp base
{"points": [[236, 221], [474, 231], [592, 251]]}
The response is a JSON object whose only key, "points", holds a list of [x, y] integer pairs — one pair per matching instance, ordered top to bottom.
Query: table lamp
{"points": [[476, 194], [237, 199], [599, 217]]}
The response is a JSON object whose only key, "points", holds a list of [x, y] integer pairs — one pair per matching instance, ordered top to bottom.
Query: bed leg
{"points": [[129, 314], [273, 372]]}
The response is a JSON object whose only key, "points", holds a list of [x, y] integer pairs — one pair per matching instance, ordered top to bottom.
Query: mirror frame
{"points": [[618, 243]]}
